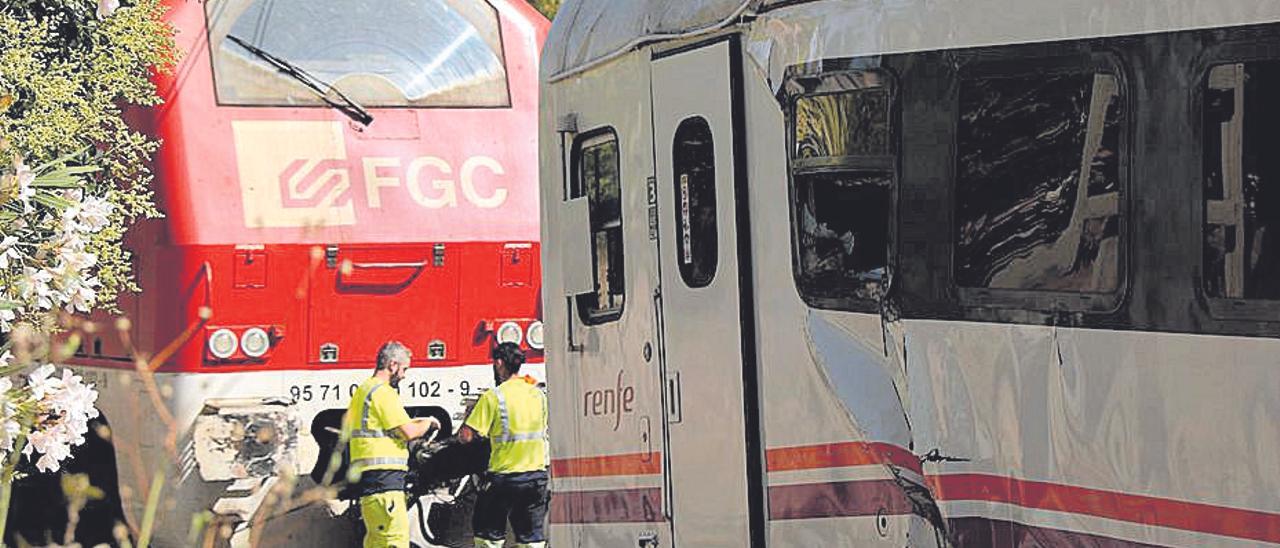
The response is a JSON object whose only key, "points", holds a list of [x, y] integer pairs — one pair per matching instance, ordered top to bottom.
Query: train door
{"points": [[709, 422]]}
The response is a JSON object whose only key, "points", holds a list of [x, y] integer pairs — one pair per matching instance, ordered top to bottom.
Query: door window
{"points": [[693, 156], [596, 157], [1242, 181]]}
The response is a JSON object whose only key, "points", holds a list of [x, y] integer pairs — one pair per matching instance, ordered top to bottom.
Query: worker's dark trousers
{"points": [[522, 498]]}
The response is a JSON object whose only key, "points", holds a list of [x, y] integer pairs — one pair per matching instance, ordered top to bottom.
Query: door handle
{"points": [[421, 264], [348, 274], [574, 346], [673, 397], [646, 441]]}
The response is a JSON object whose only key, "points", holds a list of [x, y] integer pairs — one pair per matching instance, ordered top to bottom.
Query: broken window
{"points": [[693, 153], [843, 171], [598, 176], [1038, 181], [1242, 181]]}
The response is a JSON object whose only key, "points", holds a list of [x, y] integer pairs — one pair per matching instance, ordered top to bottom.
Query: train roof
{"points": [[589, 32]]}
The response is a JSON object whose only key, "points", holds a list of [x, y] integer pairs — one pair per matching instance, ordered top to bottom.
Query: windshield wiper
{"points": [[321, 88]]}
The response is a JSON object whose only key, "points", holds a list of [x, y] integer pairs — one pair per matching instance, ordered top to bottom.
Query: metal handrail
{"points": [[421, 264]]}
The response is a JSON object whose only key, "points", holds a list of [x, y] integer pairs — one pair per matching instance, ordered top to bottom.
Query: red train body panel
{"points": [[287, 221], [421, 226]]}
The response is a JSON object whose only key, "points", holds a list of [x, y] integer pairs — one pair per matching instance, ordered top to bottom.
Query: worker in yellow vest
{"points": [[513, 416], [378, 429]]}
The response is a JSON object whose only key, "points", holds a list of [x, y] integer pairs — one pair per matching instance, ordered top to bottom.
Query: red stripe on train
{"points": [[835, 455], [631, 464], [861, 498], [837, 499], [613, 506], [1141, 509]]}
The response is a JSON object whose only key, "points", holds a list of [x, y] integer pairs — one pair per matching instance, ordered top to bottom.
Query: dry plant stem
{"points": [[176, 344], [145, 368], [148, 378], [134, 457], [6, 482], [149, 517], [73, 521]]}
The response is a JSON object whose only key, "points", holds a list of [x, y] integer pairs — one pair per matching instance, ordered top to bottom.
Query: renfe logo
{"points": [[295, 174], [610, 402]]}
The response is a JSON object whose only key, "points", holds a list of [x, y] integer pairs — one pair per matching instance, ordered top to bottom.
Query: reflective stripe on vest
{"points": [[364, 431], [506, 435], [370, 446], [378, 461]]}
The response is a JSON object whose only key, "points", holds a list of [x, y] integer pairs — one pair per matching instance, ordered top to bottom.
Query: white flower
{"points": [[107, 7], [25, 179], [95, 213], [9, 251], [75, 261], [37, 287], [80, 298], [7, 316], [41, 382], [74, 401], [68, 405], [9, 427], [9, 430], [53, 444]]}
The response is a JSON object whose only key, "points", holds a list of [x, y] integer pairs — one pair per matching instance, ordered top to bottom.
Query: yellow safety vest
{"points": [[518, 441], [373, 446]]}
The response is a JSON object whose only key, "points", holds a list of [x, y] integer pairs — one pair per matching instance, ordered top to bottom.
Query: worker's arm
{"points": [[393, 417], [481, 419], [417, 428]]}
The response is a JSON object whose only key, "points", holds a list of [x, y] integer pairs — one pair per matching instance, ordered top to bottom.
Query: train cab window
{"points": [[409, 53], [693, 154], [596, 159], [843, 170], [1038, 181], [1242, 181]]}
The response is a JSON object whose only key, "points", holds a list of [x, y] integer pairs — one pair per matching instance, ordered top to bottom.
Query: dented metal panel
{"points": [[249, 438]]}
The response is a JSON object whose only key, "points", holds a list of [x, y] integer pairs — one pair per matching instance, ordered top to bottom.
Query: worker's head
{"points": [[394, 358], [507, 359]]}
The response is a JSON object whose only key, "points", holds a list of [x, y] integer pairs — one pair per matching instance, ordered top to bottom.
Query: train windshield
{"points": [[381, 53]]}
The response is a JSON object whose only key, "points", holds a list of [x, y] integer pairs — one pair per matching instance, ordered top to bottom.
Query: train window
{"points": [[410, 53], [693, 154], [596, 158], [843, 175], [1038, 181], [1242, 181]]}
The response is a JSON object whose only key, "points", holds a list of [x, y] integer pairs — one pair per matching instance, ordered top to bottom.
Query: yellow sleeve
{"points": [[388, 410], [485, 412]]}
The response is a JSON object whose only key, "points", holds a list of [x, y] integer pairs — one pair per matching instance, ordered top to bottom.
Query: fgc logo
{"points": [[296, 174]]}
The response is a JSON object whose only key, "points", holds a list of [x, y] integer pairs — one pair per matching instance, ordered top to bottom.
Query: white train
{"points": [[913, 272]]}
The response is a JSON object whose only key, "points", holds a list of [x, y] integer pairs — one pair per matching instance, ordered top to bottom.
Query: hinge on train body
{"points": [[437, 255], [331, 256]]}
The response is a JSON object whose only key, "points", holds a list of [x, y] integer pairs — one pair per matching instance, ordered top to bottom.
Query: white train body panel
{"points": [[945, 413]]}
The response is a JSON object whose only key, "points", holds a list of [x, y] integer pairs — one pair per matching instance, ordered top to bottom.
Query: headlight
{"points": [[509, 332], [535, 335], [255, 342], [222, 343]]}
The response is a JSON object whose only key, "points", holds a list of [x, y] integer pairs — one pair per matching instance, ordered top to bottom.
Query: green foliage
{"points": [[547, 7], [68, 72]]}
